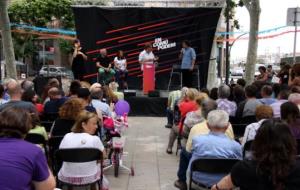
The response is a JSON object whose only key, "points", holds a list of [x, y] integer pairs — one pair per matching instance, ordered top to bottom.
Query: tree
{"points": [[253, 7], [7, 40]]}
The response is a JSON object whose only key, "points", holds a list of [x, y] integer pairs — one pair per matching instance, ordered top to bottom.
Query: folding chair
{"points": [[249, 119], [47, 125], [239, 129], [37, 139], [54, 143], [298, 147], [247, 150], [80, 155], [211, 166]]}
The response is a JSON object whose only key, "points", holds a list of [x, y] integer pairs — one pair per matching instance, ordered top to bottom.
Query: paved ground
{"points": [[146, 141]]}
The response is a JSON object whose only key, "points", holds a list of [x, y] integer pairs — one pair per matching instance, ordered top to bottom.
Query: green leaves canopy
{"points": [[41, 12]]}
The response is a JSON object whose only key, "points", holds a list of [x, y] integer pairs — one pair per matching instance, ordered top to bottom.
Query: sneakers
{"points": [[168, 126], [169, 151], [180, 185]]}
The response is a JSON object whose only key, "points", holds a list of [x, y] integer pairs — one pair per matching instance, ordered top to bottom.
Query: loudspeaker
{"points": [[129, 93], [153, 93]]}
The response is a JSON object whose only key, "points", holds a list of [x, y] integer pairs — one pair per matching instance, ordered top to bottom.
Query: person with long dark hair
{"points": [[79, 58], [120, 64], [291, 115], [274, 165]]}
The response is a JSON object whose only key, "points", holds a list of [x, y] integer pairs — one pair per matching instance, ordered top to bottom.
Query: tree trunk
{"points": [[253, 7], [7, 40]]}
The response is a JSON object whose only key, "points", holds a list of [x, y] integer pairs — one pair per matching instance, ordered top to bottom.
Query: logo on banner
{"points": [[163, 44]]}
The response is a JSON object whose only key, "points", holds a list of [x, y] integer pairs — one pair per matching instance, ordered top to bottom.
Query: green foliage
{"points": [[230, 11], [42, 12], [65, 46]]}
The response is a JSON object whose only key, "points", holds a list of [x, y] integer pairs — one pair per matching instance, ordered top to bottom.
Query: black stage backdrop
{"points": [[128, 29]]}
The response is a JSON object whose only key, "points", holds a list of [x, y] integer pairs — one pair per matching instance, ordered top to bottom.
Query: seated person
{"points": [[105, 67], [121, 69], [114, 88], [266, 94], [282, 98], [55, 101], [96, 102], [223, 102], [207, 105], [248, 107], [262, 113], [67, 115], [291, 115], [37, 128], [82, 136], [214, 145], [23, 165], [274, 165]]}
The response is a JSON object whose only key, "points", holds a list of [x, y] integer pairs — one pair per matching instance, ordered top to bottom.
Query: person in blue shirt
{"points": [[188, 57], [214, 145]]}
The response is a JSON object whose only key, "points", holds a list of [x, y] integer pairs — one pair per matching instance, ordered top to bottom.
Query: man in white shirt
{"points": [[147, 56]]}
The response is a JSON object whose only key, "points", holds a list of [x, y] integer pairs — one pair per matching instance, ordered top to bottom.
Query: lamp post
{"points": [[227, 63]]}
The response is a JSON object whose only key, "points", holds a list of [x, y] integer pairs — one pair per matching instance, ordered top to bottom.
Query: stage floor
{"points": [[142, 105]]}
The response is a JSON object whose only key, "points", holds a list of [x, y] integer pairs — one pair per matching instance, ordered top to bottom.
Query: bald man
{"points": [[105, 67], [15, 92]]}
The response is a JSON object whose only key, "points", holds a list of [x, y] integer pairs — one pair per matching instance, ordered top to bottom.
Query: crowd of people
{"points": [[76, 116], [205, 124]]}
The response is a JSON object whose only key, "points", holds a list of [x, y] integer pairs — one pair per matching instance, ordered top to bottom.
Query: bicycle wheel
{"points": [[117, 163]]}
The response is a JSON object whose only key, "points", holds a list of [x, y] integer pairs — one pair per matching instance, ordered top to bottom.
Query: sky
{"points": [[273, 14]]}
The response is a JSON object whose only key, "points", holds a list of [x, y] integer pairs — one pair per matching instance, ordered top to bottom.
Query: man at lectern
{"points": [[147, 56], [148, 62]]}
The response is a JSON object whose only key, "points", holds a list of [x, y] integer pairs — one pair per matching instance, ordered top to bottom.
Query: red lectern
{"points": [[148, 77]]}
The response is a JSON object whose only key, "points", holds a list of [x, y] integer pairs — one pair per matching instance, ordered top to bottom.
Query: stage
{"points": [[141, 105]]}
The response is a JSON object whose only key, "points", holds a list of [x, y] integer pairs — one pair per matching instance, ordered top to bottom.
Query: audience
{"points": [[263, 76], [53, 82], [241, 82], [74, 86], [114, 88], [15, 92], [213, 93], [238, 93], [266, 94], [30, 96], [173, 96], [96, 97], [282, 98], [295, 98], [2, 100], [55, 101], [223, 102], [186, 105], [207, 105], [248, 107], [68, 113], [262, 113], [291, 115], [82, 136], [214, 145], [274, 164], [23, 165]]}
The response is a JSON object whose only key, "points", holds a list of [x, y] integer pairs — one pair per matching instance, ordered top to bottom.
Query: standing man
{"points": [[188, 57], [79, 58], [104, 65]]}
